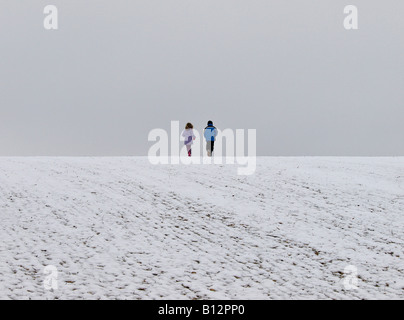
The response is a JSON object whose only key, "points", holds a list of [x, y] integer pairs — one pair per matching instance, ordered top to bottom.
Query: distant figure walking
{"points": [[189, 136], [210, 136]]}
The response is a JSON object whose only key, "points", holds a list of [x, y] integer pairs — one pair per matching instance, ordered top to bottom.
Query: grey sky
{"points": [[117, 69]]}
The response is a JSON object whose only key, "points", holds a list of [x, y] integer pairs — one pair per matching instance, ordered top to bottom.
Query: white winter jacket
{"points": [[189, 136]]}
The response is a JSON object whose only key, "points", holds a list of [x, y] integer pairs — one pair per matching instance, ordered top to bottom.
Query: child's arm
{"points": [[215, 132]]}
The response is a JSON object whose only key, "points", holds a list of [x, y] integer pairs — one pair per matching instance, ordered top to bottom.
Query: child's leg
{"points": [[209, 148], [189, 150]]}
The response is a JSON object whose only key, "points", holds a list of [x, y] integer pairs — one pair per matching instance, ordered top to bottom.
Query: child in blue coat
{"points": [[210, 134]]}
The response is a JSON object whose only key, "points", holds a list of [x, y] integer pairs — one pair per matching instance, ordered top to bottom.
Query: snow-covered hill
{"points": [[123, 228]]}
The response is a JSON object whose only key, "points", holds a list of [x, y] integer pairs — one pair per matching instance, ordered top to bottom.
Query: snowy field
{"points": [[121, 228]]}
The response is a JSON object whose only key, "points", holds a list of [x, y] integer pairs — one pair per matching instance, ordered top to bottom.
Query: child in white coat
{"points": [[189, 136]]}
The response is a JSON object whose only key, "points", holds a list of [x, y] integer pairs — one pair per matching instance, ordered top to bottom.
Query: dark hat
{"points": [[210, 123]]}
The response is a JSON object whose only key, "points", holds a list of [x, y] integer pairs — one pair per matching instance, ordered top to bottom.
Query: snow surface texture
{"points": [[121, 228]]}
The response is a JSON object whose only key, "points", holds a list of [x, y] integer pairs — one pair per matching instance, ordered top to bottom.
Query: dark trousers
{"points": [[210, 145]]}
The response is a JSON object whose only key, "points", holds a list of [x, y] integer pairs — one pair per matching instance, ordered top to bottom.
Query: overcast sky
{"points": [[117, 69]]}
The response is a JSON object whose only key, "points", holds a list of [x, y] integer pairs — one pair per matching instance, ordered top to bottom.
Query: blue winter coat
{"points": [[210, 133]]}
